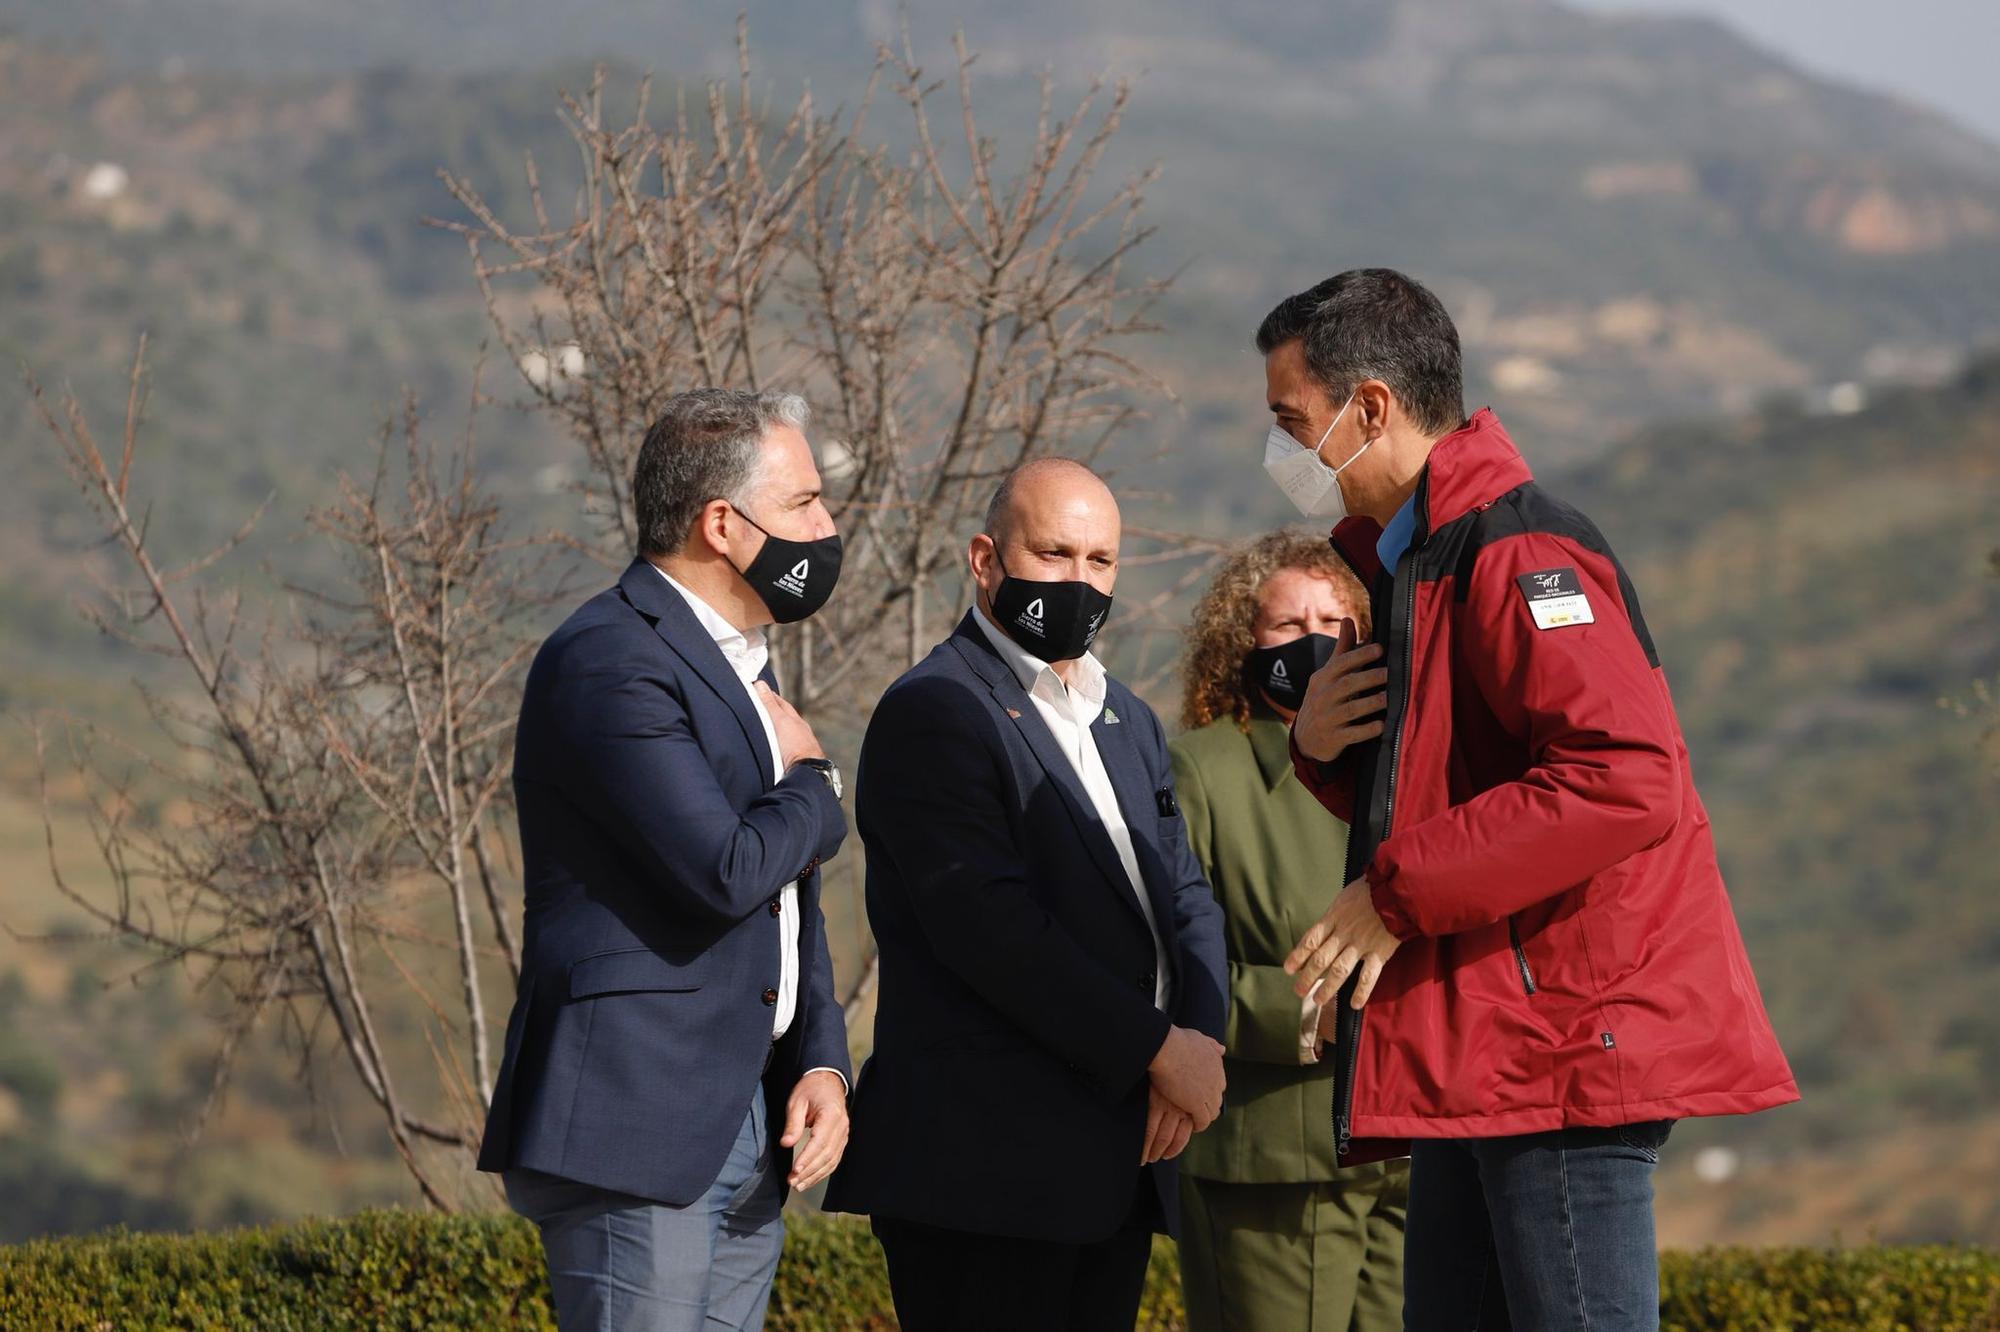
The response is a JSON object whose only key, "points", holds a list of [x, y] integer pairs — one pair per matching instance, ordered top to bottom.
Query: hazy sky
{"points": [[1939, 52]]}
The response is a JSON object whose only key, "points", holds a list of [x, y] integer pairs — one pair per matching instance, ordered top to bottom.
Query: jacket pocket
{"points": [[1520, 956], [632, 969]]}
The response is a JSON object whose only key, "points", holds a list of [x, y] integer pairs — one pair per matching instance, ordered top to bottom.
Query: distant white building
{"points": [[105, 181], [558, 364], [535, 368], [1526, 374], [1843, 399], [837, 462], [1716, 1165]]}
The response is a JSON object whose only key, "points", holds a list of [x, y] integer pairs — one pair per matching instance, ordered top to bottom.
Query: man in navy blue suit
{"points": [[1053, 984], [676, 1056]]}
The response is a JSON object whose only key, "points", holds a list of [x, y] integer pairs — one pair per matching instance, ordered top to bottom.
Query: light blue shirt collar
{"points": [[1395, 538]]}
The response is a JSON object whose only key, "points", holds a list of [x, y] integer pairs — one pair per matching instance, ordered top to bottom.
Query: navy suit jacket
{"points": [[655, 845], [1007, 1093]]}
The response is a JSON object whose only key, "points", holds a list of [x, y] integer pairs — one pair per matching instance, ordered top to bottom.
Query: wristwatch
{"points": [[825, 768]]}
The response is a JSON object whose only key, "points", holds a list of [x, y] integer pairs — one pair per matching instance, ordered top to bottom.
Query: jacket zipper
{"points": [[1520, 955], [1352, 1018]]}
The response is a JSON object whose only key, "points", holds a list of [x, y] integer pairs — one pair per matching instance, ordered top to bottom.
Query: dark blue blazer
{"points": [[655, 845], [1007, 1092]]}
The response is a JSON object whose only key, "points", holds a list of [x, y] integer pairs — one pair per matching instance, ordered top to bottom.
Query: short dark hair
{"points": [[1375, 323], [703, 447]]}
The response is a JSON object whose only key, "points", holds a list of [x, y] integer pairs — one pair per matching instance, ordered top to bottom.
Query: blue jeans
{"points": [[1545, 1232], [618, 1263]]}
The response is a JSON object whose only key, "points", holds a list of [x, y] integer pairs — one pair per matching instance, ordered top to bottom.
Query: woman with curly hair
{"points": [[1273, 1234]]}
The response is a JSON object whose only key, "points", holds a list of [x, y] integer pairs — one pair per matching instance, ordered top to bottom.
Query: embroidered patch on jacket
{"points": [[1555, 598]]}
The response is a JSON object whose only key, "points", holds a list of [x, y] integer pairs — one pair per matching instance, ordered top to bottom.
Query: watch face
{"points": [[827, 769]]}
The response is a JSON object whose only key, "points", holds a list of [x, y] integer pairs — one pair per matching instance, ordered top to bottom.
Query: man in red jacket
{"points": [[1537, 965]]}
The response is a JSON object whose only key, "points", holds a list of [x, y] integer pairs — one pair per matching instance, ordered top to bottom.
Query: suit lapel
{"points": [[672, 619], [970, 643], [1271, 746], [1118, 747]]}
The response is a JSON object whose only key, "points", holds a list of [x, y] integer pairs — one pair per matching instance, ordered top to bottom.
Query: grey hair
{"points": [[703, 447]]}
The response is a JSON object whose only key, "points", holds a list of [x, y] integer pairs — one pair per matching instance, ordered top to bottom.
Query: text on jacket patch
{"points": [[1555, 598]]}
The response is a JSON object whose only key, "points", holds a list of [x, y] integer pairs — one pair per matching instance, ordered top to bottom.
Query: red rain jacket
{"points": [[1529, 825]]}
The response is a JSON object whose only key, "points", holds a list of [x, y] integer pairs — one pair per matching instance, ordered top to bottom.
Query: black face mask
{"points": [[792, 578], [1054, 621], [1282, 671]]}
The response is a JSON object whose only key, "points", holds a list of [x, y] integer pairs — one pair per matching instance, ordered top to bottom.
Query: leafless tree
{"points": [[951, 317], [343, 777], [345, 858]]}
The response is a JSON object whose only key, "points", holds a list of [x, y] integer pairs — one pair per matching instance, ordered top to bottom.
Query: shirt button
{"points": [[770, 998]]}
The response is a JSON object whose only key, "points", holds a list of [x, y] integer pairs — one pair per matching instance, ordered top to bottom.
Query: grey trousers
{"points": [[619, 1263]]}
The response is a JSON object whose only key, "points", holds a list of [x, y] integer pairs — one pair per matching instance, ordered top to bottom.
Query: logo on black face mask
{"points": [[790, 588], [1056, 620], [1283, 671]]}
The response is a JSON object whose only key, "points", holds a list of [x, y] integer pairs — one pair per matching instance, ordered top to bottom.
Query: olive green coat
{"points": [[1275, 858], [1273, 1234]]}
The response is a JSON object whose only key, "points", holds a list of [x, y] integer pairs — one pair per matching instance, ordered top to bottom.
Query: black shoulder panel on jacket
{"points": [[1526, 510]]}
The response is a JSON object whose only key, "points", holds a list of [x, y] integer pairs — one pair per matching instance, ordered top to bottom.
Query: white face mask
{"points": [[1308, 482]]}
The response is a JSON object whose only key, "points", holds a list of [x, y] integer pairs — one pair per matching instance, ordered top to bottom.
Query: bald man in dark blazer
{"points": [[1053, 985]]}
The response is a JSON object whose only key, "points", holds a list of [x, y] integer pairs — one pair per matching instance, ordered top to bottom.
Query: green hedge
{"points": [[388, 1270], [405, 1270], [1935, 1288]]}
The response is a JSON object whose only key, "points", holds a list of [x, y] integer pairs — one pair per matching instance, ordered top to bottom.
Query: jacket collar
{"points": [[1467, 471], [679, 628], [737, 645], [979, 653], [1089, 674], [1271, 745], [1122, 764]]}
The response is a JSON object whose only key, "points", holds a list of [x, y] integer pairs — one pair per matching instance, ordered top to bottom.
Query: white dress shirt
{"points": [[747, 654], [1068, 711]]}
